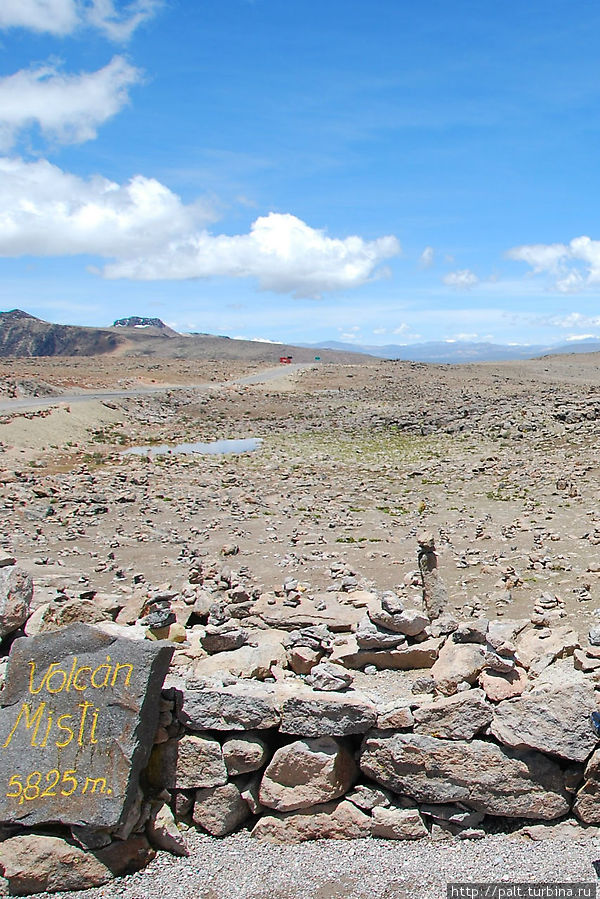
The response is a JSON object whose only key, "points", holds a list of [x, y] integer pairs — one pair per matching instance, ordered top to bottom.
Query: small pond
{"points": [[216, 448]]}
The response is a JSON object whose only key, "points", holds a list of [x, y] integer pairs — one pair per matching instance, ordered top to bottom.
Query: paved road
{"points": [[41, 402]]}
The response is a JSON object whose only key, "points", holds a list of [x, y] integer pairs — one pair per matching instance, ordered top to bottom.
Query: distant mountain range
{"points": [[22, 334], [441, 351]]}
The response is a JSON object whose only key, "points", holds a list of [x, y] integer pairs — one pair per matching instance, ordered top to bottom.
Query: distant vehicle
{"points": [[285, 360]]}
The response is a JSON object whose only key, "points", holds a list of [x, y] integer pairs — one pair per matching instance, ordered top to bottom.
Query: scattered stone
{"points": [[457, 662], [325, 677], [35, 863]]}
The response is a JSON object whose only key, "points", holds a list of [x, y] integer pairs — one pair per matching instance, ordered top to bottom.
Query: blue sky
{"points": [[377, 172]]}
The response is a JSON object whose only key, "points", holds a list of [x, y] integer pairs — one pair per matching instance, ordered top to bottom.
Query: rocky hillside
{"points": [[22, 334]]}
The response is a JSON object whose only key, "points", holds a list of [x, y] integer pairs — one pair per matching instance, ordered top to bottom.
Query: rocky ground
{"points": [[497, 462]]}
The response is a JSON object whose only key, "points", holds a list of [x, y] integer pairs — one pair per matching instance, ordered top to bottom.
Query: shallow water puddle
{"points": [[217, 447]]}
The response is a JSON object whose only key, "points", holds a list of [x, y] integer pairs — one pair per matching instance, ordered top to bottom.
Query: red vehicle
{"points": [[285, 360]]}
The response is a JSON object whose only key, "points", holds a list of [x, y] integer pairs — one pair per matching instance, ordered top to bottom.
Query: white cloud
{"points": [[54, 16], [62, 17], [120, 25], [67, 108], [47, 212], [150, 234], [284, 253], [427, 257], [574, 266], [463, 279], [572, 320], [581, 336]]}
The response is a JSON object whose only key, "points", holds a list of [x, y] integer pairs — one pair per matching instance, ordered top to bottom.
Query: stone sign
{"points": [[78, 715]]}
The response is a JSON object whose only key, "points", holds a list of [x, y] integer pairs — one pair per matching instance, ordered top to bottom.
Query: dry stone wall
{"points": [[118, 736]]}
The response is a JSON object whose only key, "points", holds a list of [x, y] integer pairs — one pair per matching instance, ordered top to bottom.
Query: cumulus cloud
{"points": [[62, 17], [67, 108], [47, 212], [148, 234], [284, 253], [573, 266], [463, 279], [572, 320]]}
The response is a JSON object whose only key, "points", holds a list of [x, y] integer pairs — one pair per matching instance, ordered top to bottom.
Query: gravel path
{"points": [[238, 867]]}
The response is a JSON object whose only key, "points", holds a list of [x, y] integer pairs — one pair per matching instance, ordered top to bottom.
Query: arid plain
{"points": [[500, 461]]}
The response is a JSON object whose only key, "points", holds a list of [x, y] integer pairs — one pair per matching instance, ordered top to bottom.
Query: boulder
{"points": [[16, 593], [74, 611], [541, 644], [420, 655], [254, 660], [457, 662], [249, 706], [327, 714], [457, 717], [555, 721], [244, 754], [189, 763], [307, 772], [482, 776], [219, 810], [333, 820], [397, 824], [35, 863]]}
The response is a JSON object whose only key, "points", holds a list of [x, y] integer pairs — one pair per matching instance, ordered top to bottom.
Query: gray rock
{"points": [[16, 592], [435, 596], [473, 631], [370, 636], [223, 638], [457, 662], [325, 676], [244, 707], [81, 708], [327, 715], [458, 717], [554, 721], [244, 754], [189, 763], [307, 772], [482, 776], [368, 797], [587, 801], [219, 810], [331, 820], [397, 824], [35, 863]]}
